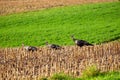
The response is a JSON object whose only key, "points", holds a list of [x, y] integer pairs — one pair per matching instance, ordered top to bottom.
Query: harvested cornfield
{"points": [[14, 6], [17, 64]]}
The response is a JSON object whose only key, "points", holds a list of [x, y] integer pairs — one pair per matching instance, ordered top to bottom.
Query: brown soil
{"points": [[14, 6]]}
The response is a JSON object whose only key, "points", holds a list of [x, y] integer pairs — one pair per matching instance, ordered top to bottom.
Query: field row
{"points": [[14, 6], [94, 23], [16, 63]]}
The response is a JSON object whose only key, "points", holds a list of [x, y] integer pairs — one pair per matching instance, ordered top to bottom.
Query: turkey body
{"points": [[81, 42], [53, 46], [29, 48]]}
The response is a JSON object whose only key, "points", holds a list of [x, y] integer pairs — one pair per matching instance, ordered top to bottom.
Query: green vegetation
{"points": [[95, 23], [90, 71], [101, 76], [106, 76]]}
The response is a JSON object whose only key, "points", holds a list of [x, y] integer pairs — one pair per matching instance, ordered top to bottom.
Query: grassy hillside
{"points": [[15, 6], [95, 23]]}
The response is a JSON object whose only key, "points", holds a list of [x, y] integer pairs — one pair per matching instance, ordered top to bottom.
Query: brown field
{"points": [[14, 6], [18, 64]]}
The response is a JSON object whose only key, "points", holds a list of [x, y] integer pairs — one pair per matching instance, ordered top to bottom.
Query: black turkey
{"points": [[81, 42], [53, 46], [29, 48]]}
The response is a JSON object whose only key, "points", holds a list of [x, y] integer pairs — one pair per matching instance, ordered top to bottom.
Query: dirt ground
{"points": [[15, 6]]}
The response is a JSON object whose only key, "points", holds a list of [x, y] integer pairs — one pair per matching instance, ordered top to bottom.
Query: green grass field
{"points": [[95, 23], [101, 76], [106, 76]]}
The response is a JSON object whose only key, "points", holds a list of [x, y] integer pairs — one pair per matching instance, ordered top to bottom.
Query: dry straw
{"points": [[15, 6], [18, 64]]}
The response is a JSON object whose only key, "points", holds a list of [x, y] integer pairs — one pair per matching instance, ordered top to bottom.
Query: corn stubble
{"points": [[15, 6], [18, 64]]}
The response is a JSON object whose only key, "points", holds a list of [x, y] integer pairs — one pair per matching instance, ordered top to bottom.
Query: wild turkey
{"points": [[81, 42], [53, 46], [29, 48]]}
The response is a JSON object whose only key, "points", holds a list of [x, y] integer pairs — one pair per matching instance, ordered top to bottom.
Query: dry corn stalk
{"points": [[16, 63]]}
